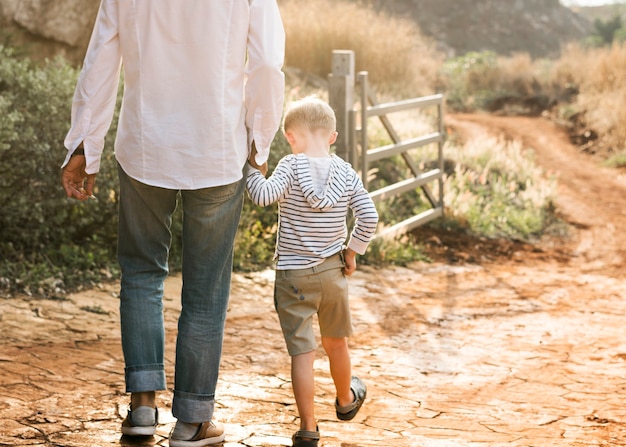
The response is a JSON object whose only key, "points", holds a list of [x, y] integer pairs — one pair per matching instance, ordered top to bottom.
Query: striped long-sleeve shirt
{"points": [[312, 226]]}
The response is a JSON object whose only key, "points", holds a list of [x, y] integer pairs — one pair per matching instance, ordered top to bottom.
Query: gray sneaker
{"points": [[348, 412], [142, 421], [209, 433]]}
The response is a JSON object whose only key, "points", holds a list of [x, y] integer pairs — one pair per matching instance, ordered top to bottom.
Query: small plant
{"points": [[469, 80], [616, 161], [496, 190], [400, 251], [95, 310]]}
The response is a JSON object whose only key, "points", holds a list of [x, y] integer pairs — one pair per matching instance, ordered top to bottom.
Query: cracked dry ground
{"points": [[508, 345]]}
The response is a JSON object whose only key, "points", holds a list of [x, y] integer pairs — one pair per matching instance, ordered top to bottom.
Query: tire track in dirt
{"points": [[590, 197]]}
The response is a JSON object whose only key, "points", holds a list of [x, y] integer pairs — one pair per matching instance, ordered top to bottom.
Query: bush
{"points": [[469, 80], [478, 80], [496, 191], [67, 241]]}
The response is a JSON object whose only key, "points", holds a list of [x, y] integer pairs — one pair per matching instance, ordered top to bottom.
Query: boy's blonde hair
{"points": [[310, 112]]}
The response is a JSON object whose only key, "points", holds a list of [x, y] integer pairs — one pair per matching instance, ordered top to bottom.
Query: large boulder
{"points": [[66, 21], [55, 26]]}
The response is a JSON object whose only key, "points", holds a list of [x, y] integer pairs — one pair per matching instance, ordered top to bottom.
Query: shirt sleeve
{"points": [[265, 86], [96, 90], [264, 191], [365, 216]]}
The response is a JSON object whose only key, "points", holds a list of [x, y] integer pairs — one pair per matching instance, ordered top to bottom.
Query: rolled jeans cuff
{"points": [[145, 378], [192, 408]]}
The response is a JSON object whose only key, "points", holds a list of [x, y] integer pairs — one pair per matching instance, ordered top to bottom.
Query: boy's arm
{"points": [[264, 191], [366, 218], [349, 259]]}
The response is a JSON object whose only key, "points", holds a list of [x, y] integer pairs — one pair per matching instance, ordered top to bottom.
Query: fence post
{"points": [[341, 98], [363, 99]]}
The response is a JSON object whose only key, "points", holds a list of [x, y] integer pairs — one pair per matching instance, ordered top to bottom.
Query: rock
{"points": [[66, 21]]}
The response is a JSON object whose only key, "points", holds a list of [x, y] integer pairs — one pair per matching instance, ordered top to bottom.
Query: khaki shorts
{"points": [[300, 294]]}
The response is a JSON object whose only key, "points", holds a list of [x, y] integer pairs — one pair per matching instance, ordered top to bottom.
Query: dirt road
{"points": [[522, 347]]}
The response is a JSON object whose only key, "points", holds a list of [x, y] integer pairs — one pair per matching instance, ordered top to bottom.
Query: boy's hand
{"points": [[252, 161], [349, 257]]}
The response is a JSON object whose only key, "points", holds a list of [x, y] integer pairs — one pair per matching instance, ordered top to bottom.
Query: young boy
{"points": [[314, 190]]}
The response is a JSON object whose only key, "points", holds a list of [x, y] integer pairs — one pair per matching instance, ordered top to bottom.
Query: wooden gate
{"points": [[353, 146]]}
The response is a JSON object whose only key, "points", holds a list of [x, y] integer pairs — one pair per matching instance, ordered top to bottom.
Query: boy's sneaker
{"points": [[348, 412], [142, 421], [209, 433]]}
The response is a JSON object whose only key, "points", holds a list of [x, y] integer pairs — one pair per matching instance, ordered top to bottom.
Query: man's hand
{"points": [[252, 161], [76, 182], [349, 257]]}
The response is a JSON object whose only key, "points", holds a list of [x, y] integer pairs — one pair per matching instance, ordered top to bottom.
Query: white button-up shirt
{"points": [[202, 81]]}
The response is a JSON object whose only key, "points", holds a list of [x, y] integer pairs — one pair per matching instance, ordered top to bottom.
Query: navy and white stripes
{"points": [[312, 227]]}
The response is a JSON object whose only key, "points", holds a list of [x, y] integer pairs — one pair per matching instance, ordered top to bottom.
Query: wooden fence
{"points": [[346, 92]]}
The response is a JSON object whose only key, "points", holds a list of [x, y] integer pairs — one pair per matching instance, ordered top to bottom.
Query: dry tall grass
{"points": [[398, 58], [602, 90]]}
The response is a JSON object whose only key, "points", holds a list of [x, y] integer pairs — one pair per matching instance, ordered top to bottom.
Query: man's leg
{"points": [[210, 221], [143, 246]]}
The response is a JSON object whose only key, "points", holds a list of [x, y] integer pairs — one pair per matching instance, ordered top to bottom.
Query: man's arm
{"points": [[265, 86], [96, 90]]}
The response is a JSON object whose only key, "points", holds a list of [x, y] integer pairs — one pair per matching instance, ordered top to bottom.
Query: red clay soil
{"points": [[491, 344]]}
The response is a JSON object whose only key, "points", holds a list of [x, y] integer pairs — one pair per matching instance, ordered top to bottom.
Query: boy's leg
{"points": [[296, 299], [340, 367], [303, 384]]}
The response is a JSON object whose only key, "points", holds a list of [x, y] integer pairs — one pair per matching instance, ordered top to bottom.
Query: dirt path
{"points": [[519, 350]]}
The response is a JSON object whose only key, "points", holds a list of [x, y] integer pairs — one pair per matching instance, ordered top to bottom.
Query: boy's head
{"points": [[311, 113], [309, 126]]}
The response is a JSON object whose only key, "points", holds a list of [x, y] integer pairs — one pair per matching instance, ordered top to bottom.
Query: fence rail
{"points": [[344, 86]]}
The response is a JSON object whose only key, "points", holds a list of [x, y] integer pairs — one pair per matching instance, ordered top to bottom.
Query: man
{"points": [[202, 85]]}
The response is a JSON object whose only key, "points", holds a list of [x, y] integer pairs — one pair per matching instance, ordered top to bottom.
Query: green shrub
{"points": [[469, 80], [616, 161], [497, 191], [48, 238], [400, 251]]}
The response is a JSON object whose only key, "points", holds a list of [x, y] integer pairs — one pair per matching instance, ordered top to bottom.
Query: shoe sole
{"points": [[138, 431], [199, 442]]}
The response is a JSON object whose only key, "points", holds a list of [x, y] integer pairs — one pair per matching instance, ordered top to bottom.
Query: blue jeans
{"points": [[210, 220]]}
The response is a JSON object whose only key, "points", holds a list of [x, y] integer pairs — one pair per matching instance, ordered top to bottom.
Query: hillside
{"points": [[604, 13], [539, 27]]}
